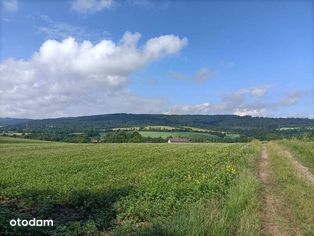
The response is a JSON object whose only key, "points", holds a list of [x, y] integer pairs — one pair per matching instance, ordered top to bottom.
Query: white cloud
{"points": [[151, 3], [9, 5], [83, 6], [60, 30], [160, 46], [65, 74], [201, 75], [257, 91], [291, 98], [238, 103], [227, 105], [237, 107], [250, 112]]}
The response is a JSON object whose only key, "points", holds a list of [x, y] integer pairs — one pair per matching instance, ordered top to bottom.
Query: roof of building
{"points": [[180, 140]]}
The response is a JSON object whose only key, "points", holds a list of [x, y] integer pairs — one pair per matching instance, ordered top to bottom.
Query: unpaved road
{"points": [[272, 205], [270, 228]]}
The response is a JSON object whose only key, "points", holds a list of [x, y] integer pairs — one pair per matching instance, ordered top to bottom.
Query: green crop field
{"points": [[166, 134], [123, 189], [157, 189]]}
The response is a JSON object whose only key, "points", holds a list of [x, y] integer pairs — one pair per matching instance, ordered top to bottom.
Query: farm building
{"points": [[94, 140], [179, 140]]}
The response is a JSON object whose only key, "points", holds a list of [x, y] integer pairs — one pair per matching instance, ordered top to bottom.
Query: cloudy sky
{"points": [[85, 57]]}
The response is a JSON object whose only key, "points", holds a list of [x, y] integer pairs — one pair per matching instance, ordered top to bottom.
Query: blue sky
{"points": [[144, 56]]}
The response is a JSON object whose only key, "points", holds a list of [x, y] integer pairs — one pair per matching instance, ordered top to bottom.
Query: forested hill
{"points": [[11, 121], [109, 121]]}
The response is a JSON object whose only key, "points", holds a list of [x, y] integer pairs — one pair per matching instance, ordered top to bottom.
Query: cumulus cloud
{"points": [[9, 5], [83, 6], [63, 73], [201, 75]]}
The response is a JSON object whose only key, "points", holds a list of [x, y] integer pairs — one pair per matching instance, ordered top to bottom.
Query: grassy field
{"points": [[174, 134], [9, 140], [303, 152], [123, 189], [293, 192]]}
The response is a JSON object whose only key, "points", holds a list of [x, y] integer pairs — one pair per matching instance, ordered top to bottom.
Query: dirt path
{"points": [[300, 168], [270, 228]]}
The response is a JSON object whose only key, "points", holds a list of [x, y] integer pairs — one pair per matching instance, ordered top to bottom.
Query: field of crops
{"points": [[176, 134], [145, 189]]}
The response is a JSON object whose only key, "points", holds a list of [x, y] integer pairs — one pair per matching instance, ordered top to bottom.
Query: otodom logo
{"points": [[33, 223]]}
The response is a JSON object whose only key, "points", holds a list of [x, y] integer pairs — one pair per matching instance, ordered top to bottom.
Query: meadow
{"points": [[123, 189]]}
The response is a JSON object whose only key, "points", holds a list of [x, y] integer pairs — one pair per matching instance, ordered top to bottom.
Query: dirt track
{"points": [[270, 228]]}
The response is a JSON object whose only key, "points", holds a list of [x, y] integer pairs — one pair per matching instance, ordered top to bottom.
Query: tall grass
{"points": [[303, 152], [295, 193]]}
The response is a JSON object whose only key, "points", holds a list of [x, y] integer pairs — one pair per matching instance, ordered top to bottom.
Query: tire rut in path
{"points": [[304, 171], [269, 226]]}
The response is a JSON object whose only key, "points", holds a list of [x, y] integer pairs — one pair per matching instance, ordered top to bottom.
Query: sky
{"points": [[87, 57]]}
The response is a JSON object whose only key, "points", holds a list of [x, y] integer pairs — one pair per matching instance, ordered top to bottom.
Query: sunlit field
{"points": [[178, 189]]}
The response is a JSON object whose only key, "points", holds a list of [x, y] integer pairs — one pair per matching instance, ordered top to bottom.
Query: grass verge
{"points": [[303, 152], [295, 193]]}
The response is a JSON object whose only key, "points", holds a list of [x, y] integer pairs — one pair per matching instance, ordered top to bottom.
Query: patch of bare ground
{"points": [[268, 214]]}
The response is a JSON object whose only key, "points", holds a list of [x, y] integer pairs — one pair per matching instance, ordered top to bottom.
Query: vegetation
{"points": [[218, 127], [176, 134], [130, 137], [198, 137], [303, 152], [145, 189], [295, 194]]}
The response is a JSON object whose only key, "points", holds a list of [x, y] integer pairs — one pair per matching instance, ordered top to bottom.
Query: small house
{"points": [[94, 140], [179, 140]]}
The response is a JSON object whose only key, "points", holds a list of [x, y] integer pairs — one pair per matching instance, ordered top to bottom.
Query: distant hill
{"points": [[12, 121], [110, 121]]}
